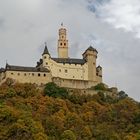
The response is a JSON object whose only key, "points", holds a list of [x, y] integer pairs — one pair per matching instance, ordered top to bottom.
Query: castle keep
{"points": [[64, 71]]}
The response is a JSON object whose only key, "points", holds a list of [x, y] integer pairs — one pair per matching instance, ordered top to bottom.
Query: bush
{"points": [[100, 86], [52, 90], [122, 95], [68, 135]]}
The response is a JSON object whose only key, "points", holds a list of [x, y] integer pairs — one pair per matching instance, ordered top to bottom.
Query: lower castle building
{"points": [[64, 71]]}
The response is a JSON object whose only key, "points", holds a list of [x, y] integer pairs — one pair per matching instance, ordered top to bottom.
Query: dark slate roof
{"points": [[90, 48], [46, 50], [69, 60], [39, 63], [99, 67], [26, 69], [2, 70]]}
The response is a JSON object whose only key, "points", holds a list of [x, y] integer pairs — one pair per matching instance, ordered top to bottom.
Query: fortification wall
{"points": [[29, 77], [99, 79], [70, 83]]}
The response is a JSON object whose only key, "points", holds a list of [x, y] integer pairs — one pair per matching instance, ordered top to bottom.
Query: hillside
{"points": [[30, 113]]}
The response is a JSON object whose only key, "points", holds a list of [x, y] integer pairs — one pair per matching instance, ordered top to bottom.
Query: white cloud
{"points": [[123, 14]]}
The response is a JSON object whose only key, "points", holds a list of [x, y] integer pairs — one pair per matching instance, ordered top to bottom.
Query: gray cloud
{"points": [[2, 23], [28, 24]]}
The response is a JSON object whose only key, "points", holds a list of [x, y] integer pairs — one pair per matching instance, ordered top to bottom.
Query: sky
{"points": [[110, 26]]}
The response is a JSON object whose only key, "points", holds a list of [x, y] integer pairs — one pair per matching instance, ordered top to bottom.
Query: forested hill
{"points": [[30, 113]]}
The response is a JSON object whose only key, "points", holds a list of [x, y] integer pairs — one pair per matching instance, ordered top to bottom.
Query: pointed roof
{"points": [[90, 48], [46, 50], [99, 67]]}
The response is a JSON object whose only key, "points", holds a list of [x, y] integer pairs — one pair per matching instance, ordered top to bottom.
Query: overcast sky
{"points": [[111, 26]]}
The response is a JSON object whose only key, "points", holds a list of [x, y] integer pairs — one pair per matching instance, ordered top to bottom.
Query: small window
{"points": [[61, 44], [64, 44], [44, 57], [46, 63], [59, 70], [66, 71], [12, 73], [18, 74], [24, 74], [33, 74], [39, 74], [44, 75]]}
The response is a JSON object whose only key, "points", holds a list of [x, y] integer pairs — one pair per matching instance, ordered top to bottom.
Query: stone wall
{"points": [[66, 71], [29, 77], [70, 83]]}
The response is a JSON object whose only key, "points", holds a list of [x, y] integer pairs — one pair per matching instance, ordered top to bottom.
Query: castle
{"points": [[64, 71]]}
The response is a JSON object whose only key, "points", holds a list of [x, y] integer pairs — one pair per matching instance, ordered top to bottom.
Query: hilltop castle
{"points": [[64, 71]]}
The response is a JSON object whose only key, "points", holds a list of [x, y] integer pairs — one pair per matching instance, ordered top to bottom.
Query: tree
{"points": [[100, 86], [52, 90], [122, 95], [68, 135], [138, 135]]}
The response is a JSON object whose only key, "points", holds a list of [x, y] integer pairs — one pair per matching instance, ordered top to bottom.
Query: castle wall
{"points": [[67, 71], [29, 77], [99, 79], [77, 84]]}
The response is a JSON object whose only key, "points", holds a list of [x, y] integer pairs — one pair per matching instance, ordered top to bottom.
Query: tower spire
{"points": [[62, 24], [46, 49]]}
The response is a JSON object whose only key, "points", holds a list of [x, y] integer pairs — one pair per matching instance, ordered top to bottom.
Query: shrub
{"points": [[100, 86], [52, 90], [122, 95], [68, 135]]}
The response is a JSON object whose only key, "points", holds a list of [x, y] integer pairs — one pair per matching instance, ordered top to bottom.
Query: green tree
{"points": [[52, 90], [68, 135], [138, 135]]}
